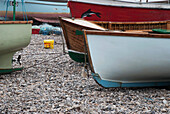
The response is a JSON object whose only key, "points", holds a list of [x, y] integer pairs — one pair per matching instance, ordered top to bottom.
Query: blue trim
{"points": [[109, 84]]}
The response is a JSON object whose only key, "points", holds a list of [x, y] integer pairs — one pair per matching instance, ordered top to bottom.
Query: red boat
{"points": [[119, 11]]}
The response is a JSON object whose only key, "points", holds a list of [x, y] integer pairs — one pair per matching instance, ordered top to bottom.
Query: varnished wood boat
{"points": [[14, 35], [74, 37], [129, 59]]}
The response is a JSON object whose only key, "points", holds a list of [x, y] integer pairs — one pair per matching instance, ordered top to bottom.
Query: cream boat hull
{"points": [[13, 37], [129, 59]]}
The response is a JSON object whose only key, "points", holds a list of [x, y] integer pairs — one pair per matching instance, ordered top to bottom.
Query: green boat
{"points": [[14, 35]]}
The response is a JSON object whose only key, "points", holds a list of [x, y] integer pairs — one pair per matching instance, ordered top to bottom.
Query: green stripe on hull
{"points": [[78, 57], [5, 71]]}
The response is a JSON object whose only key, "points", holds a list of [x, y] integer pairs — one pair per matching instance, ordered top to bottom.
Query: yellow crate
{"points": [[49, 44]]}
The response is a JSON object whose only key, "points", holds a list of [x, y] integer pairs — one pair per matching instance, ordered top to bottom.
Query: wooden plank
{"points": [[16, 22], [131, 34]]}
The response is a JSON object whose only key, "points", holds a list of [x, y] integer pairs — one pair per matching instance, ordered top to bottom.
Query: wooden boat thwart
{"points": [[14, 35], [74, 38], [129, 59]]}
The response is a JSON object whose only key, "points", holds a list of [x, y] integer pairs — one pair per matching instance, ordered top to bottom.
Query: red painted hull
{"points": [[118, 13]]}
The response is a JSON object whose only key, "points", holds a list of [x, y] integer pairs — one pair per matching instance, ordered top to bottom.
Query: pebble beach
{"points": [[51, 82]]}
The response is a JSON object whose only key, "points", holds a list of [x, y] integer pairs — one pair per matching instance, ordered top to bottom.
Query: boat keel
{"points": [[6, 60], [110, 84]]}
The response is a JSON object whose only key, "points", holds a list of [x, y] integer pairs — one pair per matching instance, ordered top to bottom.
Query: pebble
{"points": [[52, 83]]}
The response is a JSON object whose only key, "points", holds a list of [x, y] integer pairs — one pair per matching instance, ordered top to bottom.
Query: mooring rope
{"points": [[7, 2], [24, 11]]}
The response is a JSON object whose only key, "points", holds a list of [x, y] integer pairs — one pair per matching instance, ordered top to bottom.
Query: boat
{"points": [[38, 10], [120, 11], [72, 29], [14, 36], [128, 59]]}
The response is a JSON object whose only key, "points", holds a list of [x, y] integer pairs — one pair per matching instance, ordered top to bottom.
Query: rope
{"points": [[6, 9], [24, 11], [62, 36]]}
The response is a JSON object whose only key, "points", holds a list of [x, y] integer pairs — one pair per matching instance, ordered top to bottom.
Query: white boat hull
{"points": [[127, 59]]}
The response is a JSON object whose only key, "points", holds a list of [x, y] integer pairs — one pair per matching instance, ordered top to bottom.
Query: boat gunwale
{"points": [[55, 4], [149, 6], [64, 19], [16, 22], [147, 22], [133, 33]]}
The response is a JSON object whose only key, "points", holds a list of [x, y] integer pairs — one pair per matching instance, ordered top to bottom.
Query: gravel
{"points": [[52, 83]]}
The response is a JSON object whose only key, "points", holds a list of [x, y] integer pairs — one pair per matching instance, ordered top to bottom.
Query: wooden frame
{"points": [[16, 22], [133, 25], [131, 33], [73, 41], [88, 51]]}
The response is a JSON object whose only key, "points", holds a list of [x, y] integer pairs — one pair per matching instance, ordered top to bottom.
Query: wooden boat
{"points": [[40, 10], [119, 11], [72, 29], [74, 38], [129, 59]]}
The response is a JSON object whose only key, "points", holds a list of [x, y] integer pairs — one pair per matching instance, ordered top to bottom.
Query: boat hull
{"points": [[43, 11], [98, 11], [74, 36], [13, 38], [75, 39], [77, 56], [129, 59]]}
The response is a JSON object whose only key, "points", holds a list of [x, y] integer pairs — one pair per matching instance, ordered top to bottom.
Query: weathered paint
{"points": [[37, 9], [101, 11], [13, 38], [77, 56], [4, 71]]}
